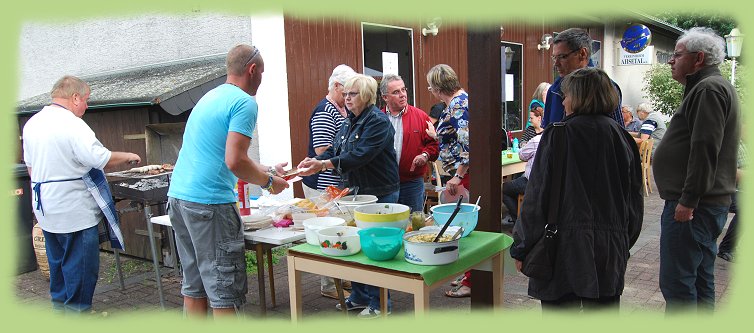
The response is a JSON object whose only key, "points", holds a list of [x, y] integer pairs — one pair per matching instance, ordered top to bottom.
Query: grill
{"points": [[163, 142], [140, 187]]}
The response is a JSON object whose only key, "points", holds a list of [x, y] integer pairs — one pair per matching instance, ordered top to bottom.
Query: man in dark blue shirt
{"points": [[571, 50]]}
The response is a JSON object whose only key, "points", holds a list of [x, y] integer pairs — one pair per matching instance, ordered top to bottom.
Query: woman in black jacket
{"points": [[363, 155], [601, 207]]}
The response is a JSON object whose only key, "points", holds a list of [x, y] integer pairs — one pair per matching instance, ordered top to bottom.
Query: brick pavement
{"points": [[641, 291]]}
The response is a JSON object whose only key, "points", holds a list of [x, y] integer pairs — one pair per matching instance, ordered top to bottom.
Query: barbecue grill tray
{"points": [[138, 175], [159, 194]]}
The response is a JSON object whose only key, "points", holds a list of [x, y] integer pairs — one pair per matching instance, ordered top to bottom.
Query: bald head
{"points": [[240, 56]]}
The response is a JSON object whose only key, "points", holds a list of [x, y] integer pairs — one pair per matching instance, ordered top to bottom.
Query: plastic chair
{"points": [[645, 151]]}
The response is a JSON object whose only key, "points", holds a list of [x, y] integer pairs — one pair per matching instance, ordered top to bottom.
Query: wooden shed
{"points": [[123, 103]]}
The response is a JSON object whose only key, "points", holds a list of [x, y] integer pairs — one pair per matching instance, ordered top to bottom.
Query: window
{"points": [[388, 47], [597, 53], [513, 69]]}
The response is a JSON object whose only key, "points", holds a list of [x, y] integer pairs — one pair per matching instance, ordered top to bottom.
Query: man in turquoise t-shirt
{"points": [[201, 203]]}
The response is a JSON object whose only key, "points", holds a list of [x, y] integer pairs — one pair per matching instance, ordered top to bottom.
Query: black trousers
{"points": [[573, 303]]}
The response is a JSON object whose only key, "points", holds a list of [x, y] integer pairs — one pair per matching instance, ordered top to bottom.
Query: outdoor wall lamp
{"points": [[432, 27], [734, 42], [544, 44]]}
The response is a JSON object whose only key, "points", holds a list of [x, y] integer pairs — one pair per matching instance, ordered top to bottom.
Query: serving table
{"points": [[512, 165], [479, 250]]}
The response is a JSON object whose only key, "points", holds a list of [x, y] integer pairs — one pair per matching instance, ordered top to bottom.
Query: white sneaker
{"points": [[370, 313]]}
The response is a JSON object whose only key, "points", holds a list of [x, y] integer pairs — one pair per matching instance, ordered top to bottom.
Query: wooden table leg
{"points": [[271, 277], [260, 278], [497, 281], [294, 286], [341, 296], [383, 302], [421, 302]]}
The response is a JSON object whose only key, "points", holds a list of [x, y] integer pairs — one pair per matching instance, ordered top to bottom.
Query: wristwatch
{"points": [[425, 155], [324, 166], [459, 176], [268, 186]]}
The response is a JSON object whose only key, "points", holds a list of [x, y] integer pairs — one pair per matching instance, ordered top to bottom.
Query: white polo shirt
{"points": [[58, 145]]}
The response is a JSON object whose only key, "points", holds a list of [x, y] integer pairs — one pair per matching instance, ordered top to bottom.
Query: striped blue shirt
{"points": [[323, 125]]}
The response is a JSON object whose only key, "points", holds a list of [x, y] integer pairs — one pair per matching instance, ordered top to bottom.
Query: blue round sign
{"points": [[636, 38]]}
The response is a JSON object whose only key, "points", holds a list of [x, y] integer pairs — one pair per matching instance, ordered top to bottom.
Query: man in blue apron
{"points": [[71, 196]]}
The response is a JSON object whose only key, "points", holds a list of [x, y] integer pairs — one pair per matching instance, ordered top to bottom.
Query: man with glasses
{"points": [[572, 50], [414, 148], [695, 171], [201, 202]]}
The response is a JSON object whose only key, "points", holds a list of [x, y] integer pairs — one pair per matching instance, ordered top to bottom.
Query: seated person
{"points": [[629, 122], [652, 125], [535, 128], [511, 189]]}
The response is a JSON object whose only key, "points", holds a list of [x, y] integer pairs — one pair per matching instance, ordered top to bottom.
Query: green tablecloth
{"points": [[505, 160], [476, 245]]}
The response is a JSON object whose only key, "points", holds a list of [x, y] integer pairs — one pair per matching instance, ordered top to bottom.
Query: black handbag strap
{"points": [[556, 179]]}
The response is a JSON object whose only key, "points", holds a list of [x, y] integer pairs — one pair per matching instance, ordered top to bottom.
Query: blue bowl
{"points": [[466, 218], [381, 243]]}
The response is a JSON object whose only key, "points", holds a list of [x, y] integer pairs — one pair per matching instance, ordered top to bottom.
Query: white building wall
{"points": [[50, 50], [273, 123]]}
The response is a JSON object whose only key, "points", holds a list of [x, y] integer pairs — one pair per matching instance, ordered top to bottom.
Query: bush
{"points": [[666, 94]]}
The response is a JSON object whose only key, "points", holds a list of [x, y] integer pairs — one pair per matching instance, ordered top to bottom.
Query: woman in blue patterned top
{"points": [[453, 128], [453, 133]]}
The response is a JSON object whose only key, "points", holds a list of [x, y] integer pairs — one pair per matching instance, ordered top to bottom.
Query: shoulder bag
{"points": [[539, 262]]}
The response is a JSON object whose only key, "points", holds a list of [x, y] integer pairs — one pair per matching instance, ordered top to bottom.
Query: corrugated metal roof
{"points": [[174, 86]]}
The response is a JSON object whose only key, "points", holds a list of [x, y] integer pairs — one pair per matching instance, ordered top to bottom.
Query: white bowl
{"points": [[347, 202], [382, 215], [299, 218], [313, 224], [339, 241]]}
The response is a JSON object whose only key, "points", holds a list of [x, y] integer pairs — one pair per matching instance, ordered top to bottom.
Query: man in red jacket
{"points": [[414, 148]]}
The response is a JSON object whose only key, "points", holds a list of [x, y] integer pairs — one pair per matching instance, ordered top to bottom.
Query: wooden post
{"points": [[485, 138]]}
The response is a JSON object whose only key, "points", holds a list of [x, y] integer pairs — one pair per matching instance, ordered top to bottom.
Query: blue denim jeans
{"points": [[511, 190], [412, 194], [687, 257], [74, 269], [364, 293]]}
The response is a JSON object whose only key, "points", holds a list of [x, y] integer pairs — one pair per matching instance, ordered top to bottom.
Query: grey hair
{"points": [[575, 39], [705, 40], [340, 74], [386, 80], [69, 85], [541, 88], [646, 107], [629, 108]]}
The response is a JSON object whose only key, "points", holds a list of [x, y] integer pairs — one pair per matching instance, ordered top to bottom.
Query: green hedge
{"points": [[665, 94]]}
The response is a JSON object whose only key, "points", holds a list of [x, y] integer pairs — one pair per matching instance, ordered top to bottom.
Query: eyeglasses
{"points": [[253, 54], [676, 55], [562, 57], [398, 92], [351, 94]]}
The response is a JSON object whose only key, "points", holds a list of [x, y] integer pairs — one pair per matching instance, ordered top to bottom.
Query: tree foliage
{"points": [[722, 24], [666, 94]]}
